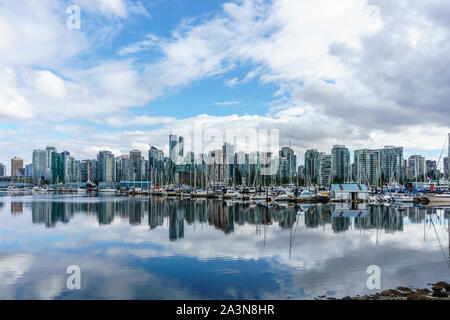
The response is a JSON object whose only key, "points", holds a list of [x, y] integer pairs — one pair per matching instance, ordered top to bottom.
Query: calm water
{"points": [[180, 249]]}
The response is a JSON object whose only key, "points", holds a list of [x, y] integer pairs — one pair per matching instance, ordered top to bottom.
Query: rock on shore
{"points": [[439, 291]]}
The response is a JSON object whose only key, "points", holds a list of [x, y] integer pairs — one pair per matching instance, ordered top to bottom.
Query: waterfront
{"points": [[141, 248]]}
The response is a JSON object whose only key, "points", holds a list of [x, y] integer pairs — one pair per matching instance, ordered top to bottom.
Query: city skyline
{"points": [[135, 72], [185, 149], [366, 166]]}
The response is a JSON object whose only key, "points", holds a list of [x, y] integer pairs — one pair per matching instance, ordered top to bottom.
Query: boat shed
{"points": [[349, 192]]}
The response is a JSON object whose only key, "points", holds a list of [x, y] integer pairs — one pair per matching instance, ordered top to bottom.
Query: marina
{"points": [[346, 193]]}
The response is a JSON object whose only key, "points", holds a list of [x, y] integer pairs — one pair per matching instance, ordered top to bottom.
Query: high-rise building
{"points": [[176, 147], [228, 151], [135, 155], [156, 158], [16, 164], [39, 164], [341, 164], [392, 164], [48, 165], [138, 165], [106, 166], [253, 166], [312, 166], [367, 166], [241, 167], [57, 168], [70, 168], [416, 168], [87, 169], [125, 169], [326, 169], [431, 169], [2, 170], [156, 170], [287, 170], [29, 171], [218, 173], [301, 174]]}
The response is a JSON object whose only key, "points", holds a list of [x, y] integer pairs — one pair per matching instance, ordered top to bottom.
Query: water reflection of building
{"points": [[16, 208], [105, 212], [136, 212], [344, 212], [49, 213], [155, 213], [416, 214], [317, 215], [224, 216], [221, 217], [365, 217], [381, 217], [340, 223], [176, 225]]}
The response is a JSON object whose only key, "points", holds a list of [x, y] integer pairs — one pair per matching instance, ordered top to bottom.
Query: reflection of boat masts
{"points": [[292, 235], [447, 259]]}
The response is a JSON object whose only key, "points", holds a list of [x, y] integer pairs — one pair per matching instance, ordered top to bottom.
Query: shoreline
{"points": [[439, 291]]}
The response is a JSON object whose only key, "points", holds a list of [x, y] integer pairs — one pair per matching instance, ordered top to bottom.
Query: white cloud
{"points": [[149, 41], [228, 103], [13, 105]]}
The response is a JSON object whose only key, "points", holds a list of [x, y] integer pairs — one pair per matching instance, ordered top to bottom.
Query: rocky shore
{"points": [[438, 291]]}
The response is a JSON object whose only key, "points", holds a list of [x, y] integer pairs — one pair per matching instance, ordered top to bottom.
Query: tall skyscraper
{"points": [[176, 146], [228, 150], [138, 162], [156, 162], [16, 164], [39, 164], [341, 164], [48, 165], [288, 165], [392, 165], [106, 166], [312, 166], [367, 166], [57, 168], [70, 168], [416, 168], [125, 169], [326, 169], [431, 169], [88, 170], [29, 171]]}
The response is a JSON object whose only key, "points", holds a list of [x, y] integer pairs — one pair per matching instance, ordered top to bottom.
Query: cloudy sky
{"points": [[363, 73]]}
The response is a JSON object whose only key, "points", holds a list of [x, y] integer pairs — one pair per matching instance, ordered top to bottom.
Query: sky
{"points": [[362, 73]]}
